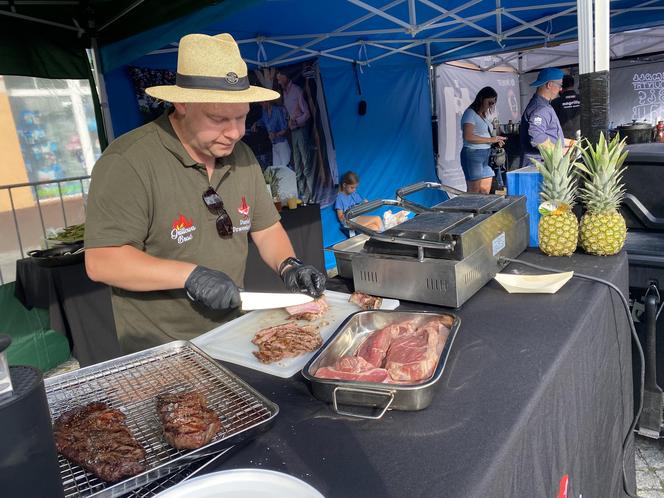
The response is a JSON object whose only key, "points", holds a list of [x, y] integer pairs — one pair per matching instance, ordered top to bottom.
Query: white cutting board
{"points": [[232, 341]]}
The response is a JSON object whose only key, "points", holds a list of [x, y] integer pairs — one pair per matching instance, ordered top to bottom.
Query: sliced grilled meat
{"points": [[366, 301], [309, 311], [286, 340], [187, 421], [96, 437]]}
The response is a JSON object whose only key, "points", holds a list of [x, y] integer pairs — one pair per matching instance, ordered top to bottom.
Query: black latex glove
{"points": [[304, 278], [212, 288]]}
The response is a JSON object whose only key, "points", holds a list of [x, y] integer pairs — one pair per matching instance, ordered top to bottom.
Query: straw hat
{"points": [[211, 69]]}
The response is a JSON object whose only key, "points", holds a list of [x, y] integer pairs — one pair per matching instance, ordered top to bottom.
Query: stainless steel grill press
{"points": [[443, 255], [132, 383]]}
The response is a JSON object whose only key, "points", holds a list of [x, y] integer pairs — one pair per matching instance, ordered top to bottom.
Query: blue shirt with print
{"points": [[275, 122], [539, 123]]}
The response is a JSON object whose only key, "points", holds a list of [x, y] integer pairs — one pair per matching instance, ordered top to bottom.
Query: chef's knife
{"points": [[270, 300]]}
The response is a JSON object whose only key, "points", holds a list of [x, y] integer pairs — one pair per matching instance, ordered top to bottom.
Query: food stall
{"points": [[536, 387], [534, 395]]}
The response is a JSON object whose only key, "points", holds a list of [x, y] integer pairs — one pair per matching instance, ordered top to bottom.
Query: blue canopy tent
{"points": [[393, 43]]}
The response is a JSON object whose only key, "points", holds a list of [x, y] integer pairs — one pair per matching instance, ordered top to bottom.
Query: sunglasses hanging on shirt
{"points": [[216, 206]]}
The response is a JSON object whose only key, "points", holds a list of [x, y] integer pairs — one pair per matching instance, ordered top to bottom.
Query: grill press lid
{"points": [[470, 203], [427, 226]]}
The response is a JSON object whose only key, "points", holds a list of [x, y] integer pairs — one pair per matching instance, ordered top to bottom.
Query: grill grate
{"points": [[131, 384]]}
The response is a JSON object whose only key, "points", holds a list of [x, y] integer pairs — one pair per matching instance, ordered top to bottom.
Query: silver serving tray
{"points": [[344, 252], [346, 340], [131, 384]]}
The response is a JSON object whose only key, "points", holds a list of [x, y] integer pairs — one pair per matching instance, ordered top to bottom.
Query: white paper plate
{"points": [[549, 283], [232, 341], [243, 483]]}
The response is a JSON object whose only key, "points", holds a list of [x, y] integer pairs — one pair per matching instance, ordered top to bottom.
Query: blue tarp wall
{"points": [[389, 147]]}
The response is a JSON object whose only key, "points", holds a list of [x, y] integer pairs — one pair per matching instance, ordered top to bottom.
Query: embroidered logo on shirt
{"points": [[537, 120], [244, 208], [245, 222], [182, 229]]}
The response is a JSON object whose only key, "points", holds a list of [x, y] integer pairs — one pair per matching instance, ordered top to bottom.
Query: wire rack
{"points": [[131, 385], [178, 476]]}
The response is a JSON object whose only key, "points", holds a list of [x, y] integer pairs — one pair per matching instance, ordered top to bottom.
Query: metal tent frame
{"points": [[413, 28]]}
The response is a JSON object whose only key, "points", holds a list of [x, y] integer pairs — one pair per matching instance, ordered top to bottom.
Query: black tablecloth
{"points": [[78, 307], [81, 309], [537, 386]]}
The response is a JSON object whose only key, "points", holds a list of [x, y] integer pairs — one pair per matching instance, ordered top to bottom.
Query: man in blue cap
{"points": [[539, 122]]}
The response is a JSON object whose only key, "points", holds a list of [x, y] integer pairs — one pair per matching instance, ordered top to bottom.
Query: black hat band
{"points": [[230, 82]]}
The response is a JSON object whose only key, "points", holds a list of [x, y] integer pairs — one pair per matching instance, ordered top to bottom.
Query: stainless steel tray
{"points": [[344, 252], [346, 340], [131, 384]]}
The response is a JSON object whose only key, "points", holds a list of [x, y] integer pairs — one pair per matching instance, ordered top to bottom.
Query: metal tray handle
{"points": [[416, 187], [365, 207], [387, 394]]}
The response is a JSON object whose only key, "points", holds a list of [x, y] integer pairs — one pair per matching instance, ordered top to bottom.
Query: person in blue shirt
{"points": [[275, 120], [539, 122], [478, 135], [349, 197]]}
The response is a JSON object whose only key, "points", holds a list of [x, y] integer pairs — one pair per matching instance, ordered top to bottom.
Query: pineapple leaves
{"points": [[602, 169], [558, 177]]}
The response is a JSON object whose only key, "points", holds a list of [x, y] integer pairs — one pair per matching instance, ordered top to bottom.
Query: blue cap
{"points": [[548, 74]]}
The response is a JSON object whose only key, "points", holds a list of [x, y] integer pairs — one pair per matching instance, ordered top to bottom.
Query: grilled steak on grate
{"points": [[286, 341], [187, 421], [96, 437]]}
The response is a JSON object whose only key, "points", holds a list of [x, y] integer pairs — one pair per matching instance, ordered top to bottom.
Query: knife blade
{"points": [[269, 300]]}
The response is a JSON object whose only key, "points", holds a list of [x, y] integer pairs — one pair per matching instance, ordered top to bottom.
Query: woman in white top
{"points": [[477, 140]]}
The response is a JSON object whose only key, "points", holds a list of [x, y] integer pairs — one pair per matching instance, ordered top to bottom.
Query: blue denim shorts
{"points": [[475, 163]]}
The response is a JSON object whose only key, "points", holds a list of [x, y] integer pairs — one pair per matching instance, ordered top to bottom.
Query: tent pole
{"points": [[602, 33], [594, 66], [101, 85], [432, 97]]}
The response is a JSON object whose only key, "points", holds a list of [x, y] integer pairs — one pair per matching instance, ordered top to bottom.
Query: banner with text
{"points": [[637, 93]]}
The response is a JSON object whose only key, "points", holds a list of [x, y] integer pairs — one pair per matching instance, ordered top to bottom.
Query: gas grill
{"points": [[644, 213], [445, 253]]}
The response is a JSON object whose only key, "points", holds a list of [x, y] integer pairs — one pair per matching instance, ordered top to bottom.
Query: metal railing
{"points": [[83, 181]]}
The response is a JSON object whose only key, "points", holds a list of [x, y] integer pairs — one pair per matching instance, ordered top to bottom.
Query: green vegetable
{"points": [[70, 234]]}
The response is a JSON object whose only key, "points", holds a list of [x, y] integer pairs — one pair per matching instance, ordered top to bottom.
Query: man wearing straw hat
{"points": [[171, 204]]}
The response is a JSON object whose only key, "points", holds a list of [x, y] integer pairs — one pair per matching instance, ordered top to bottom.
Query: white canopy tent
{"points": [[627, 44]]}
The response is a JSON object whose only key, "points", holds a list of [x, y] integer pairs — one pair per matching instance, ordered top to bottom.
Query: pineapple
{"points": [[558, 227], [603, 229]]}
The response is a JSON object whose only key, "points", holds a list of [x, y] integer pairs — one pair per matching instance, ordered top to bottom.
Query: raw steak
{"points": [[365, 301], [308, 311], [286, 341], [374, 348], [400, 353], [414, 357], [353, 368], [187, 421], [96, 437]]}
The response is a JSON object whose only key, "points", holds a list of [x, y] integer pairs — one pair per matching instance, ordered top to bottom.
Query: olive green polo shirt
{"points": [[146, 191]]}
